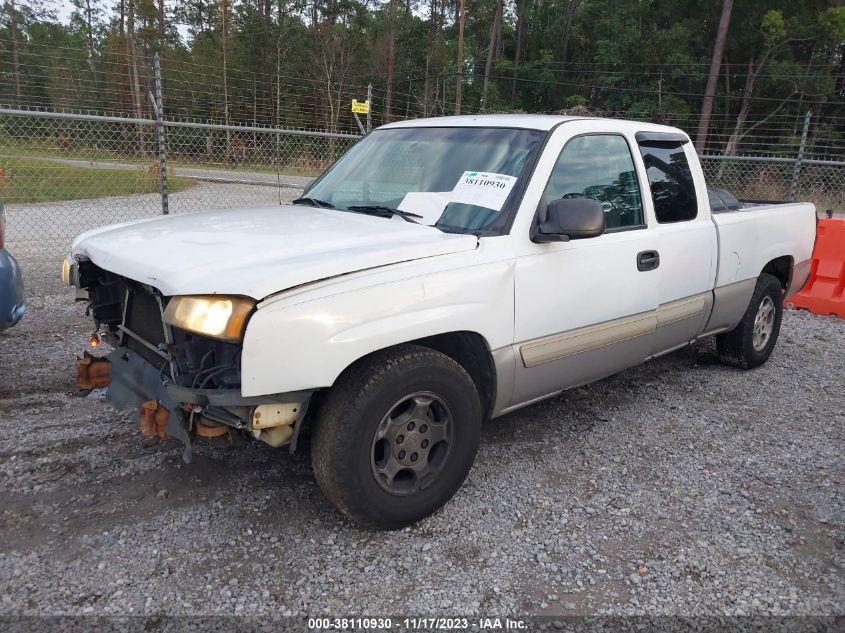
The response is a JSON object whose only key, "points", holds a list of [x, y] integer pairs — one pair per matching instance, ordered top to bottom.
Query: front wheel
{"points": [[750, 344], [396, 436]]}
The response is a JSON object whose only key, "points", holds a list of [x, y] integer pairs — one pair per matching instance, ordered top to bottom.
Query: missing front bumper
{"points": [[135, 381]]}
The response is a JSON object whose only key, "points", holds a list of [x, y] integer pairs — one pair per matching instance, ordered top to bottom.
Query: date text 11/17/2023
{"points": [[416, 623]]}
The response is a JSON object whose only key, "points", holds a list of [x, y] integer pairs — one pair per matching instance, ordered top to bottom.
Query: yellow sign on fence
{"points": [[360, 107]]}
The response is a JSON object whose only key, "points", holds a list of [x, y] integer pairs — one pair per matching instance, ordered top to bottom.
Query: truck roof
{"points": [[524, 121]]}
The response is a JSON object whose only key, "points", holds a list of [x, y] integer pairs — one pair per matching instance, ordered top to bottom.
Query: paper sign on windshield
{"points": [[483, 189], [429, 204]]}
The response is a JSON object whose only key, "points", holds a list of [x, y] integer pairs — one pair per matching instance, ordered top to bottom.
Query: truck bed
{"points": [[723, 201], [758, 232]]}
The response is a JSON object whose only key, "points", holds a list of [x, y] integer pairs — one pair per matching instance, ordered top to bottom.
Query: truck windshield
{"points": [[462, 179]]}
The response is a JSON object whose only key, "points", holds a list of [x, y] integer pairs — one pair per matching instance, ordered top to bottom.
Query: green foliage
{"points": [[832, 23], [774, 27], [299, 64], [575, 101]]}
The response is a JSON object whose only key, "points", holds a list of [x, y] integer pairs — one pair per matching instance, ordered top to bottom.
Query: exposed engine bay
{"points": [[183, 384]]}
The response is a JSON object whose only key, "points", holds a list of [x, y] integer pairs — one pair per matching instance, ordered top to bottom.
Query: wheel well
{"points": [[780, 268], [469, 349]]}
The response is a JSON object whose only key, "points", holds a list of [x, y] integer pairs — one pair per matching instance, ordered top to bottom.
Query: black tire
{"points": [[739, 347], [345, 451]]}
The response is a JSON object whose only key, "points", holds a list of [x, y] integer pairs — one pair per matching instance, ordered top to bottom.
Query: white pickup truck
{"points": [[441, 273]]}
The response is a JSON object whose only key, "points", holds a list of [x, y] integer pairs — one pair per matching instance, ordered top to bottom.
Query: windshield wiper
{"points": [[314, 202], [405, 215]]}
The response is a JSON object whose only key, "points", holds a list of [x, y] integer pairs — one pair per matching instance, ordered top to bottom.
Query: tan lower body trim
{"points": [[682, 309], [584, 339]]}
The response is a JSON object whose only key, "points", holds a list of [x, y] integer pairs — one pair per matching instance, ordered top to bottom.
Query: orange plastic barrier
{"points": [[825, 290]]}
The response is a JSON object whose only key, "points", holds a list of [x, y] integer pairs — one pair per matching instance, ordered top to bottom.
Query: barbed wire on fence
{"points": [[194, 91]]}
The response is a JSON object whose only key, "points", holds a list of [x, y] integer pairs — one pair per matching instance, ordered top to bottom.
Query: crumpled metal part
{"points": [[135, 381]]}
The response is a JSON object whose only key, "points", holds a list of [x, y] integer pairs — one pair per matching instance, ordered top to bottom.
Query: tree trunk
{"points": [[224, 5], [282, 14], [122, 18], [521, 24], [13, 26], [495, 28], [567, 28], [161, 33], [90, 39], [431, 52], [391, 62], [459, 65], [713, 77], [135, 80], [278, 83], [426, 85], [254, 111], [722, 126], [737, 135], [733, 142]]}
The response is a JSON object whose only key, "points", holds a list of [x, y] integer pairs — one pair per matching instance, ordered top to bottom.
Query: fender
{"points": [[306, 342]]}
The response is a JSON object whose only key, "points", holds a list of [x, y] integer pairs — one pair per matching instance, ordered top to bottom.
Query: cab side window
{"points": [[599, 166], [670, 179]]}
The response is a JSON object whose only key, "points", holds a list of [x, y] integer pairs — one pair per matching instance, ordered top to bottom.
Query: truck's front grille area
{"points": [[133, 316], [143, 318]]}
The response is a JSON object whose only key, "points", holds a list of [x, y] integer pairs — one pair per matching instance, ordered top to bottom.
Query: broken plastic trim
{"points": [[135, 381], [231, 397]]}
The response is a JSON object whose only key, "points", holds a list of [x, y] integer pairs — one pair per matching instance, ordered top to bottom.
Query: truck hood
{"points": [[258, 252]]}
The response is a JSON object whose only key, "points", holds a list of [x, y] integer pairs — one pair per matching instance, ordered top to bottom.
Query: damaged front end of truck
{"points": [[178, 361]]}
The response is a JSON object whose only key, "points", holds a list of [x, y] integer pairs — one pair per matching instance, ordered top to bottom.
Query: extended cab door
{"points": [[686, 237], [584, 308]]}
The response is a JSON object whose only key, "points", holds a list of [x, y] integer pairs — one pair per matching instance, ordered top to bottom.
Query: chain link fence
{"points": [[62, 173], [821, 182]]}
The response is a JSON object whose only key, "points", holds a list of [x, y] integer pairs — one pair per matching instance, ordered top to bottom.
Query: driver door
{"points": [[587, 308]]}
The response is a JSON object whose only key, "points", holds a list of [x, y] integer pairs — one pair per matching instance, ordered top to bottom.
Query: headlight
{"points": [[218, 317]]}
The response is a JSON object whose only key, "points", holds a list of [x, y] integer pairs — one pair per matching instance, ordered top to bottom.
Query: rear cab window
{"points": [[669, 177]]}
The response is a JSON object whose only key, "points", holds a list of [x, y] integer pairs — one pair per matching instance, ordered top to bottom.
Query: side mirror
{"points": [[570, 219]]}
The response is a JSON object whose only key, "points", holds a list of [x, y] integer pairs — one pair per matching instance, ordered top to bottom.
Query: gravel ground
{"points": [[680, 487]]}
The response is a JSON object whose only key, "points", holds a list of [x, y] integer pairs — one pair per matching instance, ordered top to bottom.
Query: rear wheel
{"points": [[750, 344], [396, 436]]}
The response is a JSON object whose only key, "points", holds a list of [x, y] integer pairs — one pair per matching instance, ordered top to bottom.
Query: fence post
{"points": [[370, 108], [162, 147], [796, 170]]}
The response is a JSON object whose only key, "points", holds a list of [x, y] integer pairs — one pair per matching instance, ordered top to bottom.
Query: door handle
{"points": [[648, 260]]}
